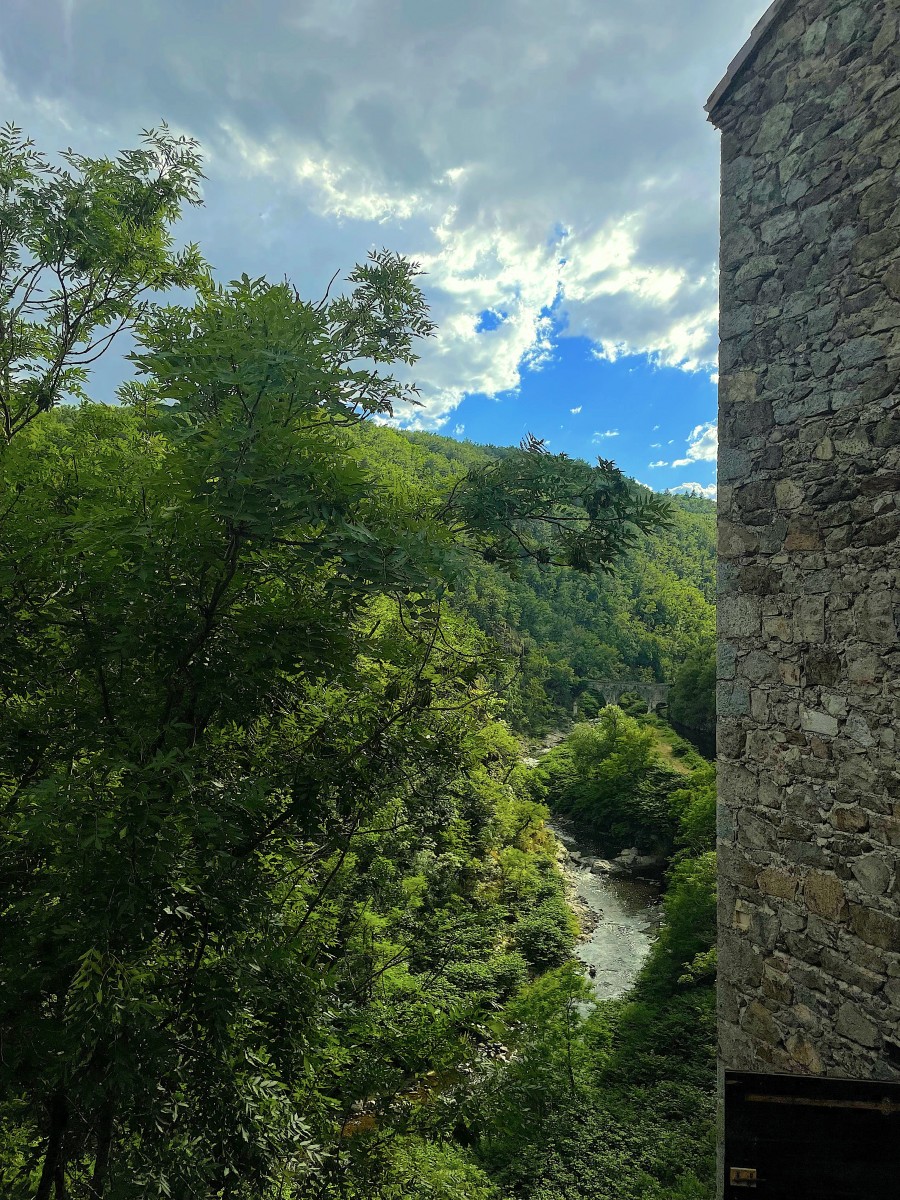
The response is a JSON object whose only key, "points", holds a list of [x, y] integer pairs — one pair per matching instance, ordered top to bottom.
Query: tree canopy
{"points": [[270, 860]]}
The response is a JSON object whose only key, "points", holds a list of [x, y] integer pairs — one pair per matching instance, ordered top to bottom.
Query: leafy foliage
{"points": [[82, 245], [552, 510], [557, 630], [692, 701], [608, 775], [272, 869], [617, 1099]]}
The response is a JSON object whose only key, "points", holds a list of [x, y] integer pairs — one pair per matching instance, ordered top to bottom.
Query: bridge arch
{"points": [[654, 694]]}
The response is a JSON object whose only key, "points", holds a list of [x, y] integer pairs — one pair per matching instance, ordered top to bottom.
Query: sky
{"points": [[548, 164]]}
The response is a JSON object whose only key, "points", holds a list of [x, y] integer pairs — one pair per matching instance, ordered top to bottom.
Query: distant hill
{"points": [[559, 628]]}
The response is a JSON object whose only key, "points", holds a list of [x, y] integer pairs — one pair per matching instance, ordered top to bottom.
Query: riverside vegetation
{"points": [[276, 883]]}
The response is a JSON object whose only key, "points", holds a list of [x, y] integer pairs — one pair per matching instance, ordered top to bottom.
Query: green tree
{"points": [[83, 246], [555, 630], [692, 700], [608, 774], [696, 808], [253, 822], [685, 952]]}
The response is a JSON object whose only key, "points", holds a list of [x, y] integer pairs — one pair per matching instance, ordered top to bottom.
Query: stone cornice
{"points": [[746, 54]]}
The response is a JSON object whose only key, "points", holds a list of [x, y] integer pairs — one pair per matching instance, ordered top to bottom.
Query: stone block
{"points": [[814, 38], [886, 38], [774, 129], [878, 198], [782, 226], [875, 246], [758, 267], [862, 352], [738, 387], [742, 421], [734, 463], [789, 494], [754, 498], [802, 535], [735, 540], [759, 580], [739, 616], [809, 619], [875, 620], [778, 626], [726, 658], [759, 667], [821, 667], [864, 667], [789, 673], [732, 700], [759, 706], [814, 721], [856, 727], [736, 783], [849, 818], [724, 823], [755, 832], [734, 866], [873, 872], [775, 881], [825, 897], [741, 917], [875, 927], [822, 932], [738, 960], [776, 986], [806, 1018], [759, 1023], [852, 1024], [802, 1050]]}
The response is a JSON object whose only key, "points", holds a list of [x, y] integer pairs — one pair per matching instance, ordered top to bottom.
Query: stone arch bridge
{"points": [[655, 694]]}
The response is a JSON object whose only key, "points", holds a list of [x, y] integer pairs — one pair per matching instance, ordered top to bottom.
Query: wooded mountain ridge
{"points": [[564, 629]]}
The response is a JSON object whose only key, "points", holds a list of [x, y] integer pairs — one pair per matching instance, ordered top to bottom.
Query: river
{"points": [[628, 911]]}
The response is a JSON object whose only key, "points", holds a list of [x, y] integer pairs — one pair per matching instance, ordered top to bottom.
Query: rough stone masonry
{"points": [[809, 518]]}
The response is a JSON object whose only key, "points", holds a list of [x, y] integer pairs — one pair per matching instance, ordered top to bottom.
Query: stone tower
{"points": [[809, 518]]}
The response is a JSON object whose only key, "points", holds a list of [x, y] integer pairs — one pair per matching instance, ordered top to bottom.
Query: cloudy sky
{"points": [[549, 164]]}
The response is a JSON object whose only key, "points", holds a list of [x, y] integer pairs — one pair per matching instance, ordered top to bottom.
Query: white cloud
{"points": [[443, 131], [575, 411], [459, 430], [607, 433], [656, 445], [703, 445], [661, 463], [709, 492]]}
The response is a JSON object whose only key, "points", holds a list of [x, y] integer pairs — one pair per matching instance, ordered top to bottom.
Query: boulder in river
{"points": [[654, 864], [600, 866]]}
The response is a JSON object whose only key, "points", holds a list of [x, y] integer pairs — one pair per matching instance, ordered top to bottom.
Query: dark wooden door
{"points": [[792, 1137]]}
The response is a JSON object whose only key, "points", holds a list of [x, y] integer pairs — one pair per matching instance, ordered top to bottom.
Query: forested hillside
{"points": [[559, 629], [282, 917]]}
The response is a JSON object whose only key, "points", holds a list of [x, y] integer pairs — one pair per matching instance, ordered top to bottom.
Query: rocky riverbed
{"points": [[618, 906]]}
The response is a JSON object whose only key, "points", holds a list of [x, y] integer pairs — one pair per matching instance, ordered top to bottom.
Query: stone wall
{"points": [[809, 516]]}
